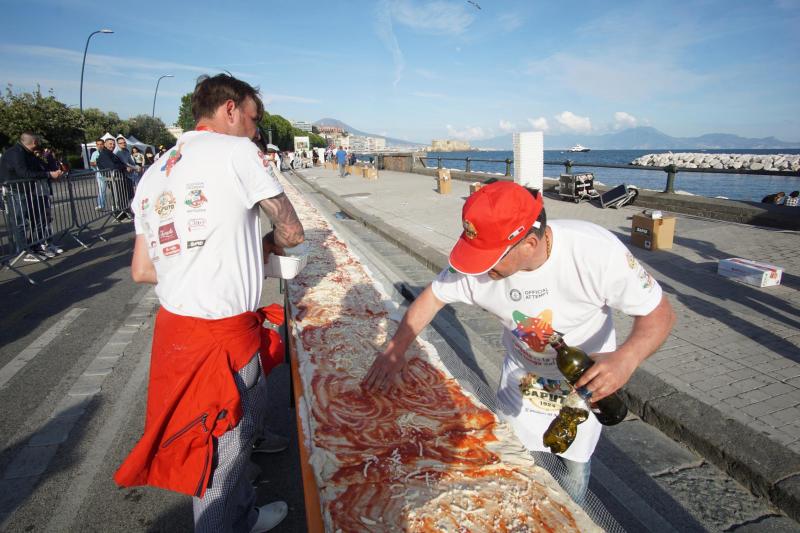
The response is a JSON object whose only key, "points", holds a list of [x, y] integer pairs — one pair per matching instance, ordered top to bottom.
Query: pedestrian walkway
{"points": [[728, 379]]}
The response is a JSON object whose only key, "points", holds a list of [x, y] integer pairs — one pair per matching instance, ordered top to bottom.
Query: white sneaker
{"points": [[55, 249], [45, 251], [269, 516]]}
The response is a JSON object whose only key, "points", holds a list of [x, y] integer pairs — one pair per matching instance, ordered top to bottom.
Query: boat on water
{"points": [[578, 148]]}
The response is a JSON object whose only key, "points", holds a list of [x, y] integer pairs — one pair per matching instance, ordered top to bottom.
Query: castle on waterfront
{"points": [[447, 145]]}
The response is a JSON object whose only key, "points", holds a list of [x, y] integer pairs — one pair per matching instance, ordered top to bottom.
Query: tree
{"points": [[185, 118], [96, 123], [58, 124], [150, 130], [283, 133]]}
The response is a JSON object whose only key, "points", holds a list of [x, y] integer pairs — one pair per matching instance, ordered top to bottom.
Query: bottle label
{"points": [[544, 395]]}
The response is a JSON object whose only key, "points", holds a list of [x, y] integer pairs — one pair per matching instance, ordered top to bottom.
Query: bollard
{"points": [[438, 162], [568, 166], [508, 167], [468, 168], [671, 170]]}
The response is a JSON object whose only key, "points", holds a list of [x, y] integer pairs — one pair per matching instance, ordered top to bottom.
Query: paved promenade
{"points": [[727, 382]]}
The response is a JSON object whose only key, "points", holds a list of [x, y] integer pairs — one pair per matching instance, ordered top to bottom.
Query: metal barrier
{"points": [[671, 171], [39, 214]]}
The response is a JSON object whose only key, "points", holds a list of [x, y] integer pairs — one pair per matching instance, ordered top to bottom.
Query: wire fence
{"points": [[39, 215]]}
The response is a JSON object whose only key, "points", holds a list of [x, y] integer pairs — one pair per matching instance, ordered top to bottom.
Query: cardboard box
{"points": [[370, 173], [444, 173], [443, 186], [474, 187], [651, 233], [750, 272]]}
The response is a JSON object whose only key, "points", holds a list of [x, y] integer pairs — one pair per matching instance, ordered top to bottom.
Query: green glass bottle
{"points": [[573, 362]]}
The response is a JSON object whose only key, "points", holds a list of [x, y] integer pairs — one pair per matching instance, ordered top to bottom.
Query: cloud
{"points": [[436, 18], [510, 21], [385, 30], [113, 64], [428, 74], [423, 94], [271, 98], [623, 120], [571, 121], [539, 124], [505, 125], [467, 134]]}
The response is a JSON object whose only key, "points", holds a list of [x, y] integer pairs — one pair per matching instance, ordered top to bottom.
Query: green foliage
{"points": [[185, 118], [96, 123], [58, 124], [150, 130], [283, 133]]}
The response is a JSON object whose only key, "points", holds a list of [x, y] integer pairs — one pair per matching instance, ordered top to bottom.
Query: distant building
{"points": [[302, 125], [330, 130], [175, 131], [361, 143], [448, 145]]}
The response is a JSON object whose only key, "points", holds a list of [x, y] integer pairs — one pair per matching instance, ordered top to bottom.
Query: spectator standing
{"points": [[149, 157], [314, 157], [138, 158], [341, 158], [131, 168], [101, 180], [121, 193], [27, 204], [198, 238], [537, 278]]}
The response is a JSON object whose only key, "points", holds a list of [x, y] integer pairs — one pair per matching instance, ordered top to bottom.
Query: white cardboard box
{"points": [[529, 159], [750, 272]]}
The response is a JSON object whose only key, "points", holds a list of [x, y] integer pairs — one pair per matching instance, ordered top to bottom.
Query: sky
{"points": [[422, 70]]}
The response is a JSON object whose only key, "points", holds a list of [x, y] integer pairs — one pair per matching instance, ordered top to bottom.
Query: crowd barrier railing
{"points": [[37, 215]]}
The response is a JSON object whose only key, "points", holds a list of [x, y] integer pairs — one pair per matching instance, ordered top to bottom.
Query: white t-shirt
{"points": [[198, 208], [589, 272]]}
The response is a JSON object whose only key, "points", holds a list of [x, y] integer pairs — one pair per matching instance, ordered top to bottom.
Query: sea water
{"points": [[747, 187]]}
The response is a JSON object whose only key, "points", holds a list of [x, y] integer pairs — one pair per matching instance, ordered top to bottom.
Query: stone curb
{"points": [[762, 465]]}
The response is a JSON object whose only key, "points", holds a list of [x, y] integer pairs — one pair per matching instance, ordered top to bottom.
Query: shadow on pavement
{"points": [[73, 277]]}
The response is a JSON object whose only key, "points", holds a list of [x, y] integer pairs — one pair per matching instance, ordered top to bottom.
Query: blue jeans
{"points": [[101, 191], [575, 480]]}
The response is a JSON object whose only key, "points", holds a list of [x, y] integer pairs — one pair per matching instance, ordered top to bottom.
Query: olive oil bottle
{"points": [[573, 362]]}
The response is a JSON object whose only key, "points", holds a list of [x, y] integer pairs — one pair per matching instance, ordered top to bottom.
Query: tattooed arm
{"points": [[288, 230]]}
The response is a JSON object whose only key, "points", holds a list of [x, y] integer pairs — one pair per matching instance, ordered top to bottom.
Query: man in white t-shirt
{"points": [[198, 239], [536, 278]]}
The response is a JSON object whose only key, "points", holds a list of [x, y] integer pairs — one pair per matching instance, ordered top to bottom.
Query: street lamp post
{"points": [[83, 67], [156, 95]]}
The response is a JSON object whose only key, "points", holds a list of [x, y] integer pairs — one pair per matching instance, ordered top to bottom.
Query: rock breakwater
{"points": [[775, 162]]}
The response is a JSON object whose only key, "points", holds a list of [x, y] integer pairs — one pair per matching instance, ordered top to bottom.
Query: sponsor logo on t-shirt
{"points": [[264, 159], [172, 160], [195, 198], [145, 204], [165, 204], [196, 224], [167, 233], [195, 244], [172, 249], [529, 294], [533, 331], [545, 395]]}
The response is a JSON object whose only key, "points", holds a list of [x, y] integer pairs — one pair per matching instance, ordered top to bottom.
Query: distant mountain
{"points": [[644, 138], [390, 141]]}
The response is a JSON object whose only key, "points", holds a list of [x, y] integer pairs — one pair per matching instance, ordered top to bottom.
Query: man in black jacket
{"points": [[121, 192], [28, 202]]}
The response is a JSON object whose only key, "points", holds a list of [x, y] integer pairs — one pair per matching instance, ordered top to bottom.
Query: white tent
{"points": [[89, 148]]}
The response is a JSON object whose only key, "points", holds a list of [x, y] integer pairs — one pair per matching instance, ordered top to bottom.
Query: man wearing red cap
{"points": [[536, 278]]}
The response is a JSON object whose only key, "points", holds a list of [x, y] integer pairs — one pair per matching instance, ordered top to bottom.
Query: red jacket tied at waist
{"points": [[192, 396]]}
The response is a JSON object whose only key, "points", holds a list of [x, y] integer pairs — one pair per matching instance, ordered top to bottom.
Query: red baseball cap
{"points": [[495, 218]]}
